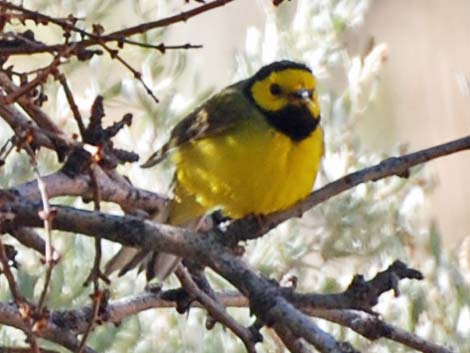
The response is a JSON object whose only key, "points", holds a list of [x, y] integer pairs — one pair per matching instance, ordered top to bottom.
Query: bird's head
{"points": [[285, 92]]}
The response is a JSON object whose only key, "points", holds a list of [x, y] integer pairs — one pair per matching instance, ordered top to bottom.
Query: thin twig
{"points": [[165, 22], [119, 36], [111, 37], [162, 48], [137, 75], [28, 87], [73, 106], [6, 149], [47, 215], [95, 272], [14, 289], [97, 300], [20, 301], [217, 311], [291, 341]]}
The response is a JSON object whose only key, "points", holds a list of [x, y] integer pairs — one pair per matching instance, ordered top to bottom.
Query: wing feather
{"points": [[216, 115]]}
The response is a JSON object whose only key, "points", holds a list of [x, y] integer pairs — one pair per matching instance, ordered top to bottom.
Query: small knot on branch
{"points": [[86, 54], [107, 156], [77, 163], [393, 163], [362, 292], [365, 294], [180, 297]]}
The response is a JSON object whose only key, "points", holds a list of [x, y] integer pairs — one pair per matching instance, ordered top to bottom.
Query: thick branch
{"points": [[22, 126], [113, 188], [206, 249], [10, 316], [367, 325]]}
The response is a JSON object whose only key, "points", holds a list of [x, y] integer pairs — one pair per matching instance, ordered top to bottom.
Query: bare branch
{"points": [[94, 39], [73, 106], [42, 120], [22, 126], [113, 188], [47, 214], [249, 228], [28, 237], [19, 299], [217, 311], [10, 316], [367, 325], [372, 327], [291, 341], [4, 349]]}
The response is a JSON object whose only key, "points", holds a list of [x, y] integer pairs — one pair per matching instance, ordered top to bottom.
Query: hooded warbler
{"points": [[253, 148]]}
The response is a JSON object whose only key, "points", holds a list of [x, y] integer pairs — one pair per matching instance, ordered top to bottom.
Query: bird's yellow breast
{"points": [[250, 169]]}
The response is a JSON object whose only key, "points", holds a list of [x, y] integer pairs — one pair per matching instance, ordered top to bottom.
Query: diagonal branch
{"points": [[33, 110], [249, 228], [216, 310], [372, 327]]}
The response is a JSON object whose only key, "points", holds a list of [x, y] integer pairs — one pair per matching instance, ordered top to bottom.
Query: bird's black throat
{"points": [[294, 121]]}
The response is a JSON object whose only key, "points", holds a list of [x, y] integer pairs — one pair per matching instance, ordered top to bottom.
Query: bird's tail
{"points": [[183, 211]]}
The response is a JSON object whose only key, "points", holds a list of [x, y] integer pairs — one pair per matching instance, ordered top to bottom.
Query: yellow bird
{"points": [[253, 148]]}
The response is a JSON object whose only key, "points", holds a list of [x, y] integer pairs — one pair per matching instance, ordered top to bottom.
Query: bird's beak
{"points": [[304, 94], [306, 97]]}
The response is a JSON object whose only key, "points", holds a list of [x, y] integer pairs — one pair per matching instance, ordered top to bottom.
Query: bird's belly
{"points": [[249, 171]]}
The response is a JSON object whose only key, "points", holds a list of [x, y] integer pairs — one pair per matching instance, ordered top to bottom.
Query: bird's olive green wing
{"points": [[216, 115]]}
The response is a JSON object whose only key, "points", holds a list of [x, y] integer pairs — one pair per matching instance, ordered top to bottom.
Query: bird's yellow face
{"points": [[287, 87], [286, 94]]}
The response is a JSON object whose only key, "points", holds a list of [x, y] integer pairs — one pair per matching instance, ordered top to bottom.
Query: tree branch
{"points": [[94, 39], [113, 188], [250, 228], [216, 310], [10, 316]]}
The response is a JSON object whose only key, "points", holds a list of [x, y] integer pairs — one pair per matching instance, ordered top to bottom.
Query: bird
{"points": [[253, 148]]}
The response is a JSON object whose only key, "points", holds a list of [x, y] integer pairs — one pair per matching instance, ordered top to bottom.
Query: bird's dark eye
{"points": [[275, 89]]}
